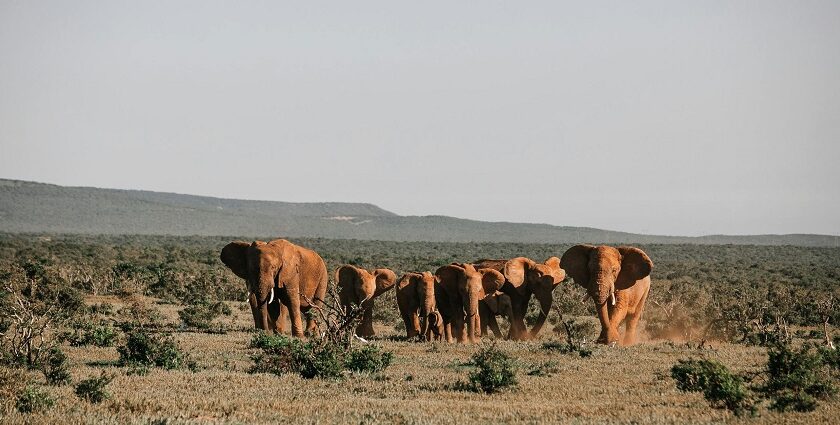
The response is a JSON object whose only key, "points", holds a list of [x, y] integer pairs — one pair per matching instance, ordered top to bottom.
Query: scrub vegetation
{"points": [[153, 328]]}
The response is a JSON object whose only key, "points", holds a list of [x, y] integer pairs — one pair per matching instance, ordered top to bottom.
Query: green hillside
{"points": [[28, 207]]}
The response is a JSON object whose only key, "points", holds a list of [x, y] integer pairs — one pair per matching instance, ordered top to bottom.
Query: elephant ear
{"points": [[234, 257], [575, 262], [635, 265], [515, 269], [556, 271], [346, 276], [449, 276], [385, 279], [491, 280], [407, 282], [492, 302]]}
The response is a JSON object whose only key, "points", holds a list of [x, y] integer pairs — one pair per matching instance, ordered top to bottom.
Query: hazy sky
{"points": [[656, 117]]}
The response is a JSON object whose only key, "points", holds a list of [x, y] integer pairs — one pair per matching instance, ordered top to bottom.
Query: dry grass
{"points": [[616, 385]]}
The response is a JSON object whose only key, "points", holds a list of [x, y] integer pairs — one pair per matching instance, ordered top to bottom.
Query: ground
{"points": [[615, 385]]}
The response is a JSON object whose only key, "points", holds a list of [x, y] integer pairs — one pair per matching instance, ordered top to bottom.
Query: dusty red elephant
{"points": [[278, 272], [525, 277], [618, 280]]}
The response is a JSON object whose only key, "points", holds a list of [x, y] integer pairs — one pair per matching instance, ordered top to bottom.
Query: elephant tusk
{"points": [[612, 298], [271, 299], [360, 339]]}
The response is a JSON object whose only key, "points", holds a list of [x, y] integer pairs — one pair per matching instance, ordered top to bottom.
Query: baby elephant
{"points": [[359, 287], [496, 304], [436, 329]]}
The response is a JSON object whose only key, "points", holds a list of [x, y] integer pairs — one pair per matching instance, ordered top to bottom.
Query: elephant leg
{"points": [[252, 301], [545, 308], [274, 310], [294, 311], [617, 316], [282, 319], [412, 324], [494, 326], [517, 326], [365, 328], [631, 329], [608, 333]]}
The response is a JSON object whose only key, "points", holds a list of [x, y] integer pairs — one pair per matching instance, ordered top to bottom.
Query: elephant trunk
{"points": [[545, 308], [473, 321]]}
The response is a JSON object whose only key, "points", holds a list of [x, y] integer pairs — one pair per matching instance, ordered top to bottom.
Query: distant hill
{"points": [[28, 207]]}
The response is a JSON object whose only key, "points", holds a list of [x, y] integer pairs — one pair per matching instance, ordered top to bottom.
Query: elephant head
{"points": [[265, 267], [603, 270], [529, 277], [463, 286], [360, 287], [416, 296], [499, 304]]}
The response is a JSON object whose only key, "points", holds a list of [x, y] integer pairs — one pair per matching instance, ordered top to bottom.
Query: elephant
{"points": [[280, 276], [525, 277], [618, 280], [360, 287], [461, 288], [416, 300], [497, 304], [436, 329]]}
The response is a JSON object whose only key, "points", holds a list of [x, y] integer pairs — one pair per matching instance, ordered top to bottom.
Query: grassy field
{"points": [[614, 385]]}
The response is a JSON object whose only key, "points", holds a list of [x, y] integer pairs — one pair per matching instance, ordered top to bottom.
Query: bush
{"points": [[202, 313], [85, 333], [145, 349], [281, 354], [369, 358], [314, 359], [55, 367], [494, 371], [796, 379], [12, 384], [721, 388], [94, 390], [34, 399]]}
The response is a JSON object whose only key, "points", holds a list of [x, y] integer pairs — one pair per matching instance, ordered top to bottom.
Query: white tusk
{"points": [[248, 297], [612, 298], [271, 300], [360, 339]]}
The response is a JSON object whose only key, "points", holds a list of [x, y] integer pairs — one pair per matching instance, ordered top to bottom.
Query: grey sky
{"points": [[656, 117]]}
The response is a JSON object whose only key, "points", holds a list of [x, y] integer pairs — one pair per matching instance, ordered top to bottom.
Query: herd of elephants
{"points": [[458, 302]]}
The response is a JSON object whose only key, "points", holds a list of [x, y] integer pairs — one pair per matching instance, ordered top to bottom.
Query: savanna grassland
{"points": [[724, 303]]}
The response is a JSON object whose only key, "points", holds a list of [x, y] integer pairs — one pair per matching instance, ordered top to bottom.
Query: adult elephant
{"points": [[278, 272], [523, 278], [618, 280], [462, 286], [360, 287], [416, 300], [497, 304]]}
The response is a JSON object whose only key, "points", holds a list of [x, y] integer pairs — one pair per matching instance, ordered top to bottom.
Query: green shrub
{"points": [[202, 312], [85, 332], [146, 349], [370, 358], [312, 359], [323, 360], [55, 367], [548, 368], [494, 371], [796, 379], [720, 387], [94, 390], [34, 399]]}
